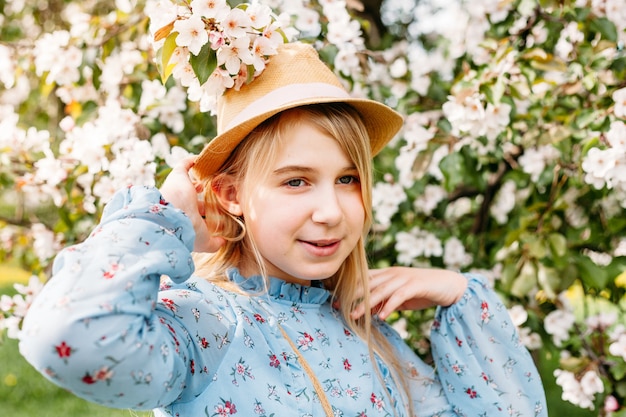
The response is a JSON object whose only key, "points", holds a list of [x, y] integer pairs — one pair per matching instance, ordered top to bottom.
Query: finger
{"points": [[187, 163], [201, 208], [376, 277], [389, 294], [389, 305]]}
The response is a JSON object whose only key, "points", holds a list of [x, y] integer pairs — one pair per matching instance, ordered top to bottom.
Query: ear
{"points": [[226, 191]]}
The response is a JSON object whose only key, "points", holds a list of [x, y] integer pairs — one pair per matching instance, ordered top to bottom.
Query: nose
{"points": [[327, 208]]}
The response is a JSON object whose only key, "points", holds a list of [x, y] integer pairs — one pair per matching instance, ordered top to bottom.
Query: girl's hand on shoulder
{"points": [[180, 190], [406, 288]]}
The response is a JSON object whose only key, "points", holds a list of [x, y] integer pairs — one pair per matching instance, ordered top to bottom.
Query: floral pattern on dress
{"points": [[124, 323]]}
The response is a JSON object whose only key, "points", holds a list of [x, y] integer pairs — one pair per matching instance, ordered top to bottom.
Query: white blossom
{"points": [[211, 9], [308, 22], [236, 24], [191, 33], [570, 35], [7, 67], [619, 97], [466, 114], [497, 117], [616, 135], [535, 160], [430, 198], [386, 200], [504, 202], [458, 208], [45, 243], [432, 245], [409, 247], [620, 248], [454, 254], [601, 321], [558, 324], [400, 326], [618, 347], [591, 384], [580, 393]]}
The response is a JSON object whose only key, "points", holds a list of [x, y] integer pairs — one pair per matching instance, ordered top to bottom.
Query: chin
{"points": [[304, 278]]}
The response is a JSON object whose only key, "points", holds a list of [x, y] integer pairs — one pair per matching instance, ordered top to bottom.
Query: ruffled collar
{"points": [[281, 290]]}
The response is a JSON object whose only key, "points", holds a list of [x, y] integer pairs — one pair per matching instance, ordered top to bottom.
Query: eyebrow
{"points": [[304, 169]]}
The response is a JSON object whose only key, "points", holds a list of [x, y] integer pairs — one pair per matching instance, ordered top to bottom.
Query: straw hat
{"points": [[294, 77]]}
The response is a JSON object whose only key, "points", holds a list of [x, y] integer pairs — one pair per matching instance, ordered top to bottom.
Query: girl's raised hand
{"points": [[180, 190], [405, 288]]}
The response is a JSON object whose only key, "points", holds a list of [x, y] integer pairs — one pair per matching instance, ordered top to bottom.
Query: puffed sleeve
{"points": [[99, 328], [483, 367]]}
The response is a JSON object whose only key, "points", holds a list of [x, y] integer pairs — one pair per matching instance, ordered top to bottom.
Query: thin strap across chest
{"points": [[305, 365]]}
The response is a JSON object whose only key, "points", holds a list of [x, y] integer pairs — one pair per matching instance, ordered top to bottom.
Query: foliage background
{"points": [[512, 161]]}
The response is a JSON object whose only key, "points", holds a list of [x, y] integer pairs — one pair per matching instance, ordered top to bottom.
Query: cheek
{"points": [[357, 209], [267, 215], [355, 217]]}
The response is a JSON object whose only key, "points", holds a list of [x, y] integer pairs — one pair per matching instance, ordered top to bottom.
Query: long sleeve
{"points": [[99, 329], [482, 366]]}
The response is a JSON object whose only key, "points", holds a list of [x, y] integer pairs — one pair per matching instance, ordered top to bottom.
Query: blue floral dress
{"points": [[110, 329]]}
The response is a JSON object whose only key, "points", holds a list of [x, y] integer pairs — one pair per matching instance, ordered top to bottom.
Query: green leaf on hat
{"points": [[166, 52], [204, 63], [250, 76]]}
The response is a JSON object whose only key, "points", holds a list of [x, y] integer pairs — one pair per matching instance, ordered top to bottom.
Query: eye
{"points": [[348, 179], [295, 182]]}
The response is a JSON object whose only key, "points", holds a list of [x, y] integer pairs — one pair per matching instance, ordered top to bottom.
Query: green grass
{"points": [[10, 274]]}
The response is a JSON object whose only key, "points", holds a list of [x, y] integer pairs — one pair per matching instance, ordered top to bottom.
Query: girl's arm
{"points": [[404, 288], [99, 329], [480, 360], [481, 365]]}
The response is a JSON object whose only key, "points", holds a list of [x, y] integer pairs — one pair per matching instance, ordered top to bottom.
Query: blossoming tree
{"points": [[511, 162]]}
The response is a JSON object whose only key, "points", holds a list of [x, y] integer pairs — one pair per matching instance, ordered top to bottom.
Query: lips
{"points": [[323, 243], [321, 247]]}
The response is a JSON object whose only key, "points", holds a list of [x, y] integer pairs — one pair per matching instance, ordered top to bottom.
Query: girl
{"points": [[282, 316]]}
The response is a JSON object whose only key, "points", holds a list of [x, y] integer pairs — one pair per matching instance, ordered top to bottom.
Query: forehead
{"points": [[305, 143]]}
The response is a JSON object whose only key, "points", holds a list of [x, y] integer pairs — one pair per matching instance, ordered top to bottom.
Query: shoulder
{"points": [[197, 296]]}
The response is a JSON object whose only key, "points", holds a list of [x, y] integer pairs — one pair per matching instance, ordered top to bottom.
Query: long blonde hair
{"points": [[251, 162]]}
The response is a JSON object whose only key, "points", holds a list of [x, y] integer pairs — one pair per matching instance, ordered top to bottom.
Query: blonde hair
{"points": [[250, 163]]}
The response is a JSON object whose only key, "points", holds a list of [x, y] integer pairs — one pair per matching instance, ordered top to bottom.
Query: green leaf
{"points": [[605, 27], [169, 46], [204, 63], [250, 76], [586, 117], [592, 143], [453, 169], [460, 169], [558, 244], [536, 246], [508, 275], [592, 275], [549, 280], [526, 281], [618, 369], [620, 388], [621, 413]]}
